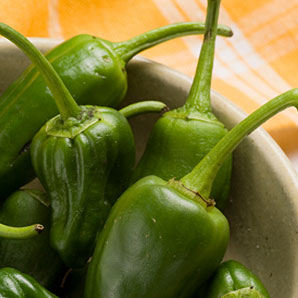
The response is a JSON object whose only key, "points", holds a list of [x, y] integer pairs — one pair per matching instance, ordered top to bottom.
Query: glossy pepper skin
{"points": [[93, 69], [183, 136], [177, 144], [83, 157], [83, 175], [163, 239], [157, 242], [31, 256], [231, 276], [14, 284]]}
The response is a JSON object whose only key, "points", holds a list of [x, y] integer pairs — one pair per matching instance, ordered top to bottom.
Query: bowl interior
{"points": [[263, 207]]}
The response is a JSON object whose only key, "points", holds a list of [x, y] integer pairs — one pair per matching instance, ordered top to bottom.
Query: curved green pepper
{"points": [[93, 70], [183, 136], [84, 159], [83, 173], [164, 239], [31, 256], [233, 278], [14, 284]]}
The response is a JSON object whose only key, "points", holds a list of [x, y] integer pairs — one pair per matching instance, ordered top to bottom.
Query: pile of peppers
{"points": [[105, 227]]}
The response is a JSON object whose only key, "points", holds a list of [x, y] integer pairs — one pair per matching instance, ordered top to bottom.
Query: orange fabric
{"points": [[29, 17], [258, 63]]}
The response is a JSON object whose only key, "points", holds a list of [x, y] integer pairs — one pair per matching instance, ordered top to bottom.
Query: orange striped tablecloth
{"points": [[258, 63]]}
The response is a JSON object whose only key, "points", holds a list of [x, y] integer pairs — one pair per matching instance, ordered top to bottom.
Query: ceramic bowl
{"points": [[263, 206]]}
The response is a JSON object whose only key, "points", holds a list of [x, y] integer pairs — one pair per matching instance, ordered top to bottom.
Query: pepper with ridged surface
{"points": [[93, 70], [84, 159]]}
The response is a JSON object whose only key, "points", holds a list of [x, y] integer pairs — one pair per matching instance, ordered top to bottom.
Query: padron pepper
{"points": [[93, 69], [183, 136], [83, 157], [165, 238], [32, 256], [234, 279], [15, 284]]}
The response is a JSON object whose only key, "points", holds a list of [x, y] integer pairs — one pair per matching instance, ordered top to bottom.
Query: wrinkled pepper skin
{"points": [[93, 69], [100, 72], [177, 144], [83, 176], [157, 242], [32, 256], [230, 277], [14, 284]]}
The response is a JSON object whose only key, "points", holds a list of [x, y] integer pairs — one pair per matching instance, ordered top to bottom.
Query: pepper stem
{"points": [[127, 49], [199, 96], [65, 102], [143, 107], [201, 178], [20, 232]]}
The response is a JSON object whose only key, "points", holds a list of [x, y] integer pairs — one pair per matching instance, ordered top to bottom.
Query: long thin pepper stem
{"points": [[127, 49], [199, 96], [65, 103], [201, 178]]}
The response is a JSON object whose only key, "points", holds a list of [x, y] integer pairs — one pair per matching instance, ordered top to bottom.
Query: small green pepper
{"points": [[93, 70], [183, 136], [83, 157], [20, 209], [164, 239], [232, 278], [14, 284]]}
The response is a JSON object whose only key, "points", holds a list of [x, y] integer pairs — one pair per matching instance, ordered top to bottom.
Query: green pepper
{"points": [[93, 70], [183, 136], [83, 157], [20, 209], [165, 238], [233, 278], [14, 284]]}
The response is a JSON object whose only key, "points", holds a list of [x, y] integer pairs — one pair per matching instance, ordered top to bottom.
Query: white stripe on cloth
{"points": [[55, 30], [240, 65]]}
